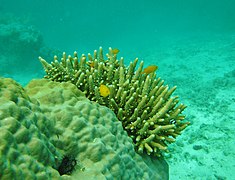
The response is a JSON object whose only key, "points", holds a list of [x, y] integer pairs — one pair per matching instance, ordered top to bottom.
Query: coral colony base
{"points": [[144, 105]]}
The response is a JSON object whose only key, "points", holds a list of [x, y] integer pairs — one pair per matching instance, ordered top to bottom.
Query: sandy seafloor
{"points": [[203, 68]]}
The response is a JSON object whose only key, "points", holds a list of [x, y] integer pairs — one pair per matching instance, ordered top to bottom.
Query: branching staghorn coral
{"points": [[144, 105]]}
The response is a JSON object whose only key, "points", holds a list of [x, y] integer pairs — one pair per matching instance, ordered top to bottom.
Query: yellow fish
{"points": [[115, 51], [91, 64], [150, 69], [104, 90]]}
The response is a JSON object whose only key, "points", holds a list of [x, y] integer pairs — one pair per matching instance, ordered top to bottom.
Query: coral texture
{"points": [[142, 102], [47, 121], [25, 149]]}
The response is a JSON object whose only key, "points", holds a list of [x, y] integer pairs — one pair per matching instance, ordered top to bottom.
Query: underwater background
{"points": [[191, 42]]}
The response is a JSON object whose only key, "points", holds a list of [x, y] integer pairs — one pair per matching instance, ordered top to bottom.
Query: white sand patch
{"points": [[204, 71]]}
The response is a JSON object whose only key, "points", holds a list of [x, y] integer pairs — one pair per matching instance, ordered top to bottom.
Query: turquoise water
{"points": [[132, 26], [192, 42]]}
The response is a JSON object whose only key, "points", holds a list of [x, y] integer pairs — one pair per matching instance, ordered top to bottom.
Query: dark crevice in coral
{"points": [[67, 165]]}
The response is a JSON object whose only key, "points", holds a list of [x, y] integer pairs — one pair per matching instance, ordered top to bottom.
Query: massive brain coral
{"points": [[144, 105], [47, 121]]}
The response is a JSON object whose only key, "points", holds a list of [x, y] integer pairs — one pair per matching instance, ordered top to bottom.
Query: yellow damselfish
{"points": [[115, 51], [91, 64], [150, 69], [104, 90]]}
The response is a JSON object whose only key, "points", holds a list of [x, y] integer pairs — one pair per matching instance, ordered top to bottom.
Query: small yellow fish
{"points": [[115, 51], [91, 64], [150, 69], [104, 90]]}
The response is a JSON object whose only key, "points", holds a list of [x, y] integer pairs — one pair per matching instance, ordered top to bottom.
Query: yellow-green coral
{"points": [[144, 105]]}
